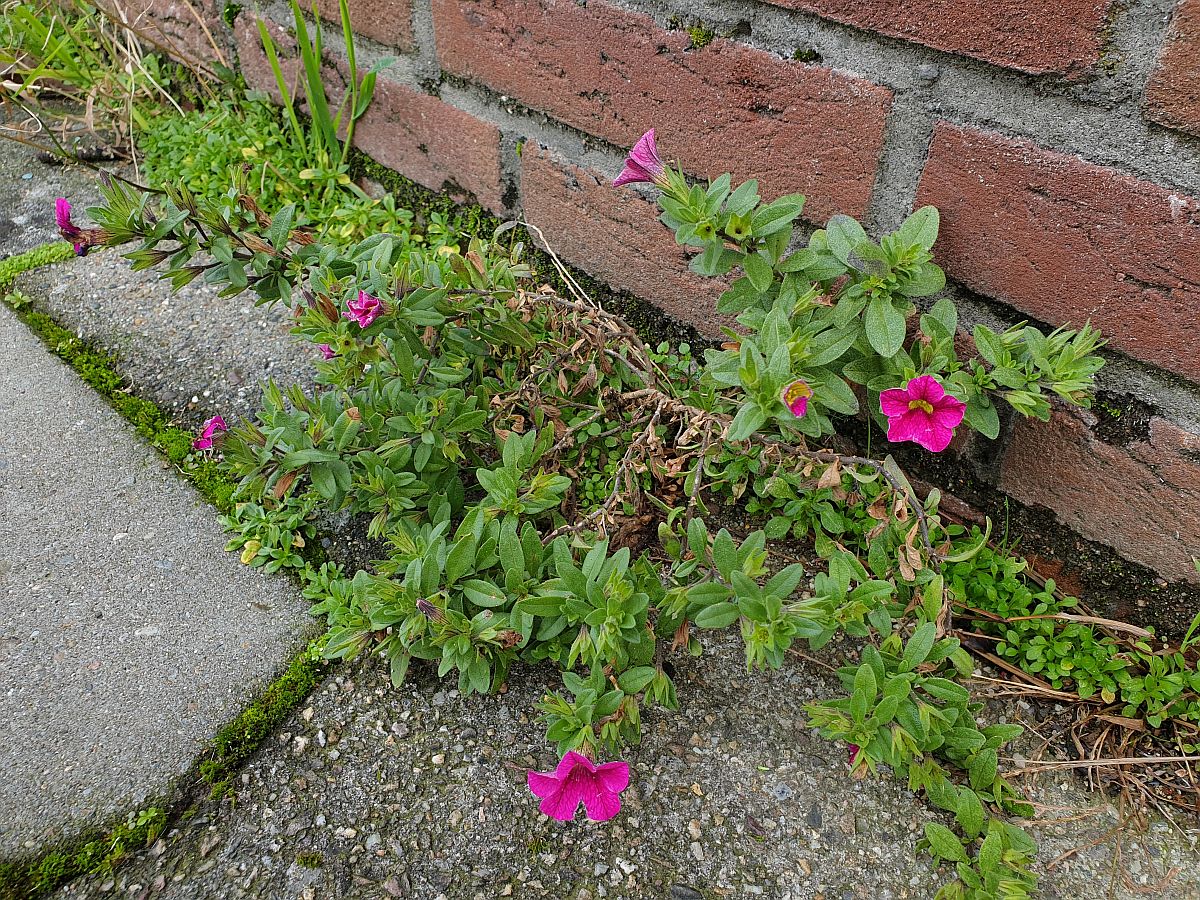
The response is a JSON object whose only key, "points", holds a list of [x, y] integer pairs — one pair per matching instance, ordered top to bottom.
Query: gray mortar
{"points": [[129, 635], [418, 792]]}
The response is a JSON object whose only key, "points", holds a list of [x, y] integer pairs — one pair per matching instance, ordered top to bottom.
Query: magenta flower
{"points": [[643, 163], [68, 229], [365, 310], [326, 351], [795, 397], [922, 412], [208, 436], [854, 751], [579, 780]]}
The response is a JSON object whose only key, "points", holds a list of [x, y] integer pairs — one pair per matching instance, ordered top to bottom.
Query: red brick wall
{"points": [[1028, 35], [1173, 94], [1061, 141]]}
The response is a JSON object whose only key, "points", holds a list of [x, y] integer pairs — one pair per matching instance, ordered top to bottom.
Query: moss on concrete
{"points": [[235, 742], [100, 852]]}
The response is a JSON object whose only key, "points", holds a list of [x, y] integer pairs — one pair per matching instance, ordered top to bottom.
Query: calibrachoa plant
{"points": [[459, 408]]}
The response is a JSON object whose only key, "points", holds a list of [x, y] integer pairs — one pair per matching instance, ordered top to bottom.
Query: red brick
{"points": [[385, 21], [190, 30], [1040, 36], [615, 74], [1173, 92], [415, 134], [432, 143], [616, 237], [1067, 241], [1142, 500]]}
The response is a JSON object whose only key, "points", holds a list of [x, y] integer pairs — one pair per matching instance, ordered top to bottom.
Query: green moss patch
{"points": [[234, 743], [98, 853]]}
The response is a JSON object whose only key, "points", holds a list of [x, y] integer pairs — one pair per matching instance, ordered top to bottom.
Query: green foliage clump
{"points": [[701, 36], [199, 149], [468, 426], [273, 537], [1039, 632], [100, 853]]}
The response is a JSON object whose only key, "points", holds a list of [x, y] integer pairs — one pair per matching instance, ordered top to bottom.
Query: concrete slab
{"points": [[127, 635]]}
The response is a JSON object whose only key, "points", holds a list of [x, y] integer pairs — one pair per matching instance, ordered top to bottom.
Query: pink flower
{"points": [[643, 163], [68, 229], [365, 310], [326, 351], [795, 397], [922, 412], [208, 436], [854, 751], [579, 780]]}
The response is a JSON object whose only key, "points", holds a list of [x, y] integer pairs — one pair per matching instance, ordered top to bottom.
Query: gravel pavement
{"points": [[371, 792]]}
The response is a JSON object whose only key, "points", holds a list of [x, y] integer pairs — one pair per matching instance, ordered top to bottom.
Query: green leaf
{"points": [[716, 194], [743, 199], [777, 215], [281, 226], [920, 229], [843, 235], [798, 261], [710, 262], [759, 271], [927, 280], [740, 296], [946, 313], [884, 326], [987, 342], [829, 345], [837, 396], [981, 414], [748, 420], [322, 479], [512, 554], [724, 554], [461, 558], [784, 583], [485, 594], [540, 606], [719, 615], [918, 646], [399, 667], [633, 681], [945, 689], [864, 693], [983, 769], [970, 813], [944, 843], [991, 852]]}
